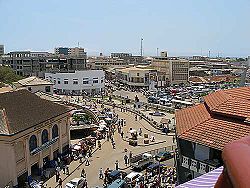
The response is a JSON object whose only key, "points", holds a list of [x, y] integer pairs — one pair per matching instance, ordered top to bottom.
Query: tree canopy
{"points": [[7, 75]]}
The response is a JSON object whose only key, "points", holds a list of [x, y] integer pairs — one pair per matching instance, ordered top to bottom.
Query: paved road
{"points": [[131, 95], [106, 157]]}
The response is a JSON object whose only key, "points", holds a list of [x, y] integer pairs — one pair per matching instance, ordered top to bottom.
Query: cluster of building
{"points": [[204, 129], [33, 132]]}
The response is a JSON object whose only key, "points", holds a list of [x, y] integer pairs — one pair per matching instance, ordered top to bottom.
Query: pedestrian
{"points": [[135, 117], [124, 122], [122, 134], [173, 139], [99, 145], [130, 155], [80, 157], [87, 160], [126, 160], [116, 165], [63, 168], [67, 169], [58, 170], [101, 173], [83, 174], [57, 177], [60, 183]]}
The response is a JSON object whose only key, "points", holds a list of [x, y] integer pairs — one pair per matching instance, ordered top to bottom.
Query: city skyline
{"points": [[181, 28]]}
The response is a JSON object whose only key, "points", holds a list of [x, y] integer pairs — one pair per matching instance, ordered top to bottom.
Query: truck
{"points": [[142, 161]]}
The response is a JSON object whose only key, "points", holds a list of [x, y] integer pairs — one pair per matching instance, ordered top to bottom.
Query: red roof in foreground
{"points": [[221, 119]]}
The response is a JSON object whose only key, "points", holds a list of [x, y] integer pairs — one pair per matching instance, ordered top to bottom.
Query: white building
{"points": [[89, 81]]}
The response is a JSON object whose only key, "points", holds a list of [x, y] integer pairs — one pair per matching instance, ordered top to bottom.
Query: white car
{"points": [[133, 176], [75, 183]]}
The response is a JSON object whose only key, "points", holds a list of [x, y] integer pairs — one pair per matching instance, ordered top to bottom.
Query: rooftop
{"points": [[32, 81], [20, 110], [222, 118]]}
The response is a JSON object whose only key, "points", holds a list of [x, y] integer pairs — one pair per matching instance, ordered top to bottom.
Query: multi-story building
{"points": [[1, 50], [75, 52], [164, 54], [121, 55], [28, 63], [171, 70], [137, 77], [78, 82], [203, 130], [33, 132]]}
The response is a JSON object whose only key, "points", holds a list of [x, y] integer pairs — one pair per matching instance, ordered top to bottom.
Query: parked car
{"points": [[163, 155], [142, 161], [115, 174], [133, 176], [75, 183], [118, 183]]}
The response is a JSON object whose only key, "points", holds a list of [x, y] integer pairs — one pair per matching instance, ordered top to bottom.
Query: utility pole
{"points": [[141, 47]]}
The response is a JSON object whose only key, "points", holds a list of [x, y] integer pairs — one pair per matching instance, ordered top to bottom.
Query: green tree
{"points": [[7, 75]]}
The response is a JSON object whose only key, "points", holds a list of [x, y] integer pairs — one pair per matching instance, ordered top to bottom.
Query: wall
{"points": [[79, 75], [40, 88], [7, 164]]}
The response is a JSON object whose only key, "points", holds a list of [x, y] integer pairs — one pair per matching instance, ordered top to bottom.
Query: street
{"points": [[106, 157]]}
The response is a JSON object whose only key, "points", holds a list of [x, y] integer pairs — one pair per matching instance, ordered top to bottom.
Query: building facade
{"points": [[1, 50], [76, 52], [28, 63], [172, 70], [137, 76], [78, 82], [204, 129], [33, 133]]}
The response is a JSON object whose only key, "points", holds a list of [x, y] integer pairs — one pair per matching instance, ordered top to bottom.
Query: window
{"points": [[138, 74], [66, 81], [75, 81], [85, 81], [95, 81], [101, 81], [59, 82], [47, 88], [55, 131], [45, 137], [33, 142]]}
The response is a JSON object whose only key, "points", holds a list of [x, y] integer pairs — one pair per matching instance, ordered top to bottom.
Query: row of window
{"points": [[75, 81], [45, 137]]}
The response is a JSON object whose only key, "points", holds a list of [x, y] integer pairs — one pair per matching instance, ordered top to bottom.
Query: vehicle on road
{"points": [[163, 155], [142, 161], [114, 175], [133, 176], [75, 183], [119, 183]]}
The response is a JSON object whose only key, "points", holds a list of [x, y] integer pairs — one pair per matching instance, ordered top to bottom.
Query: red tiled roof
{"points": [[232, 102], [190, 117], [220, 120]]}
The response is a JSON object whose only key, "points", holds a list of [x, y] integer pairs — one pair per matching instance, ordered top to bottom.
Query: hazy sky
{"points": [[182, 27]]}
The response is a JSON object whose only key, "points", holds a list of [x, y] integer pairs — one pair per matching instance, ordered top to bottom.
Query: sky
{"points": [[181, 27]]}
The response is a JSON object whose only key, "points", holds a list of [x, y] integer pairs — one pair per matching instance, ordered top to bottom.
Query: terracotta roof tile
{"points": [[223, 117]]}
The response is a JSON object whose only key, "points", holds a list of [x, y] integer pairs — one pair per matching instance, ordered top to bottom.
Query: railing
{"points": [[201, 167]]}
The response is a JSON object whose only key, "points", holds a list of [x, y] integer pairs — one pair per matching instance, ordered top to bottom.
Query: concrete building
{"points": [[1, 50], [75, 52], [164, 54], [121, 55], [28, 63], [171, 70], [137, 76], [78, 82], [34, 84], [204, 129], [33, 131]]}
